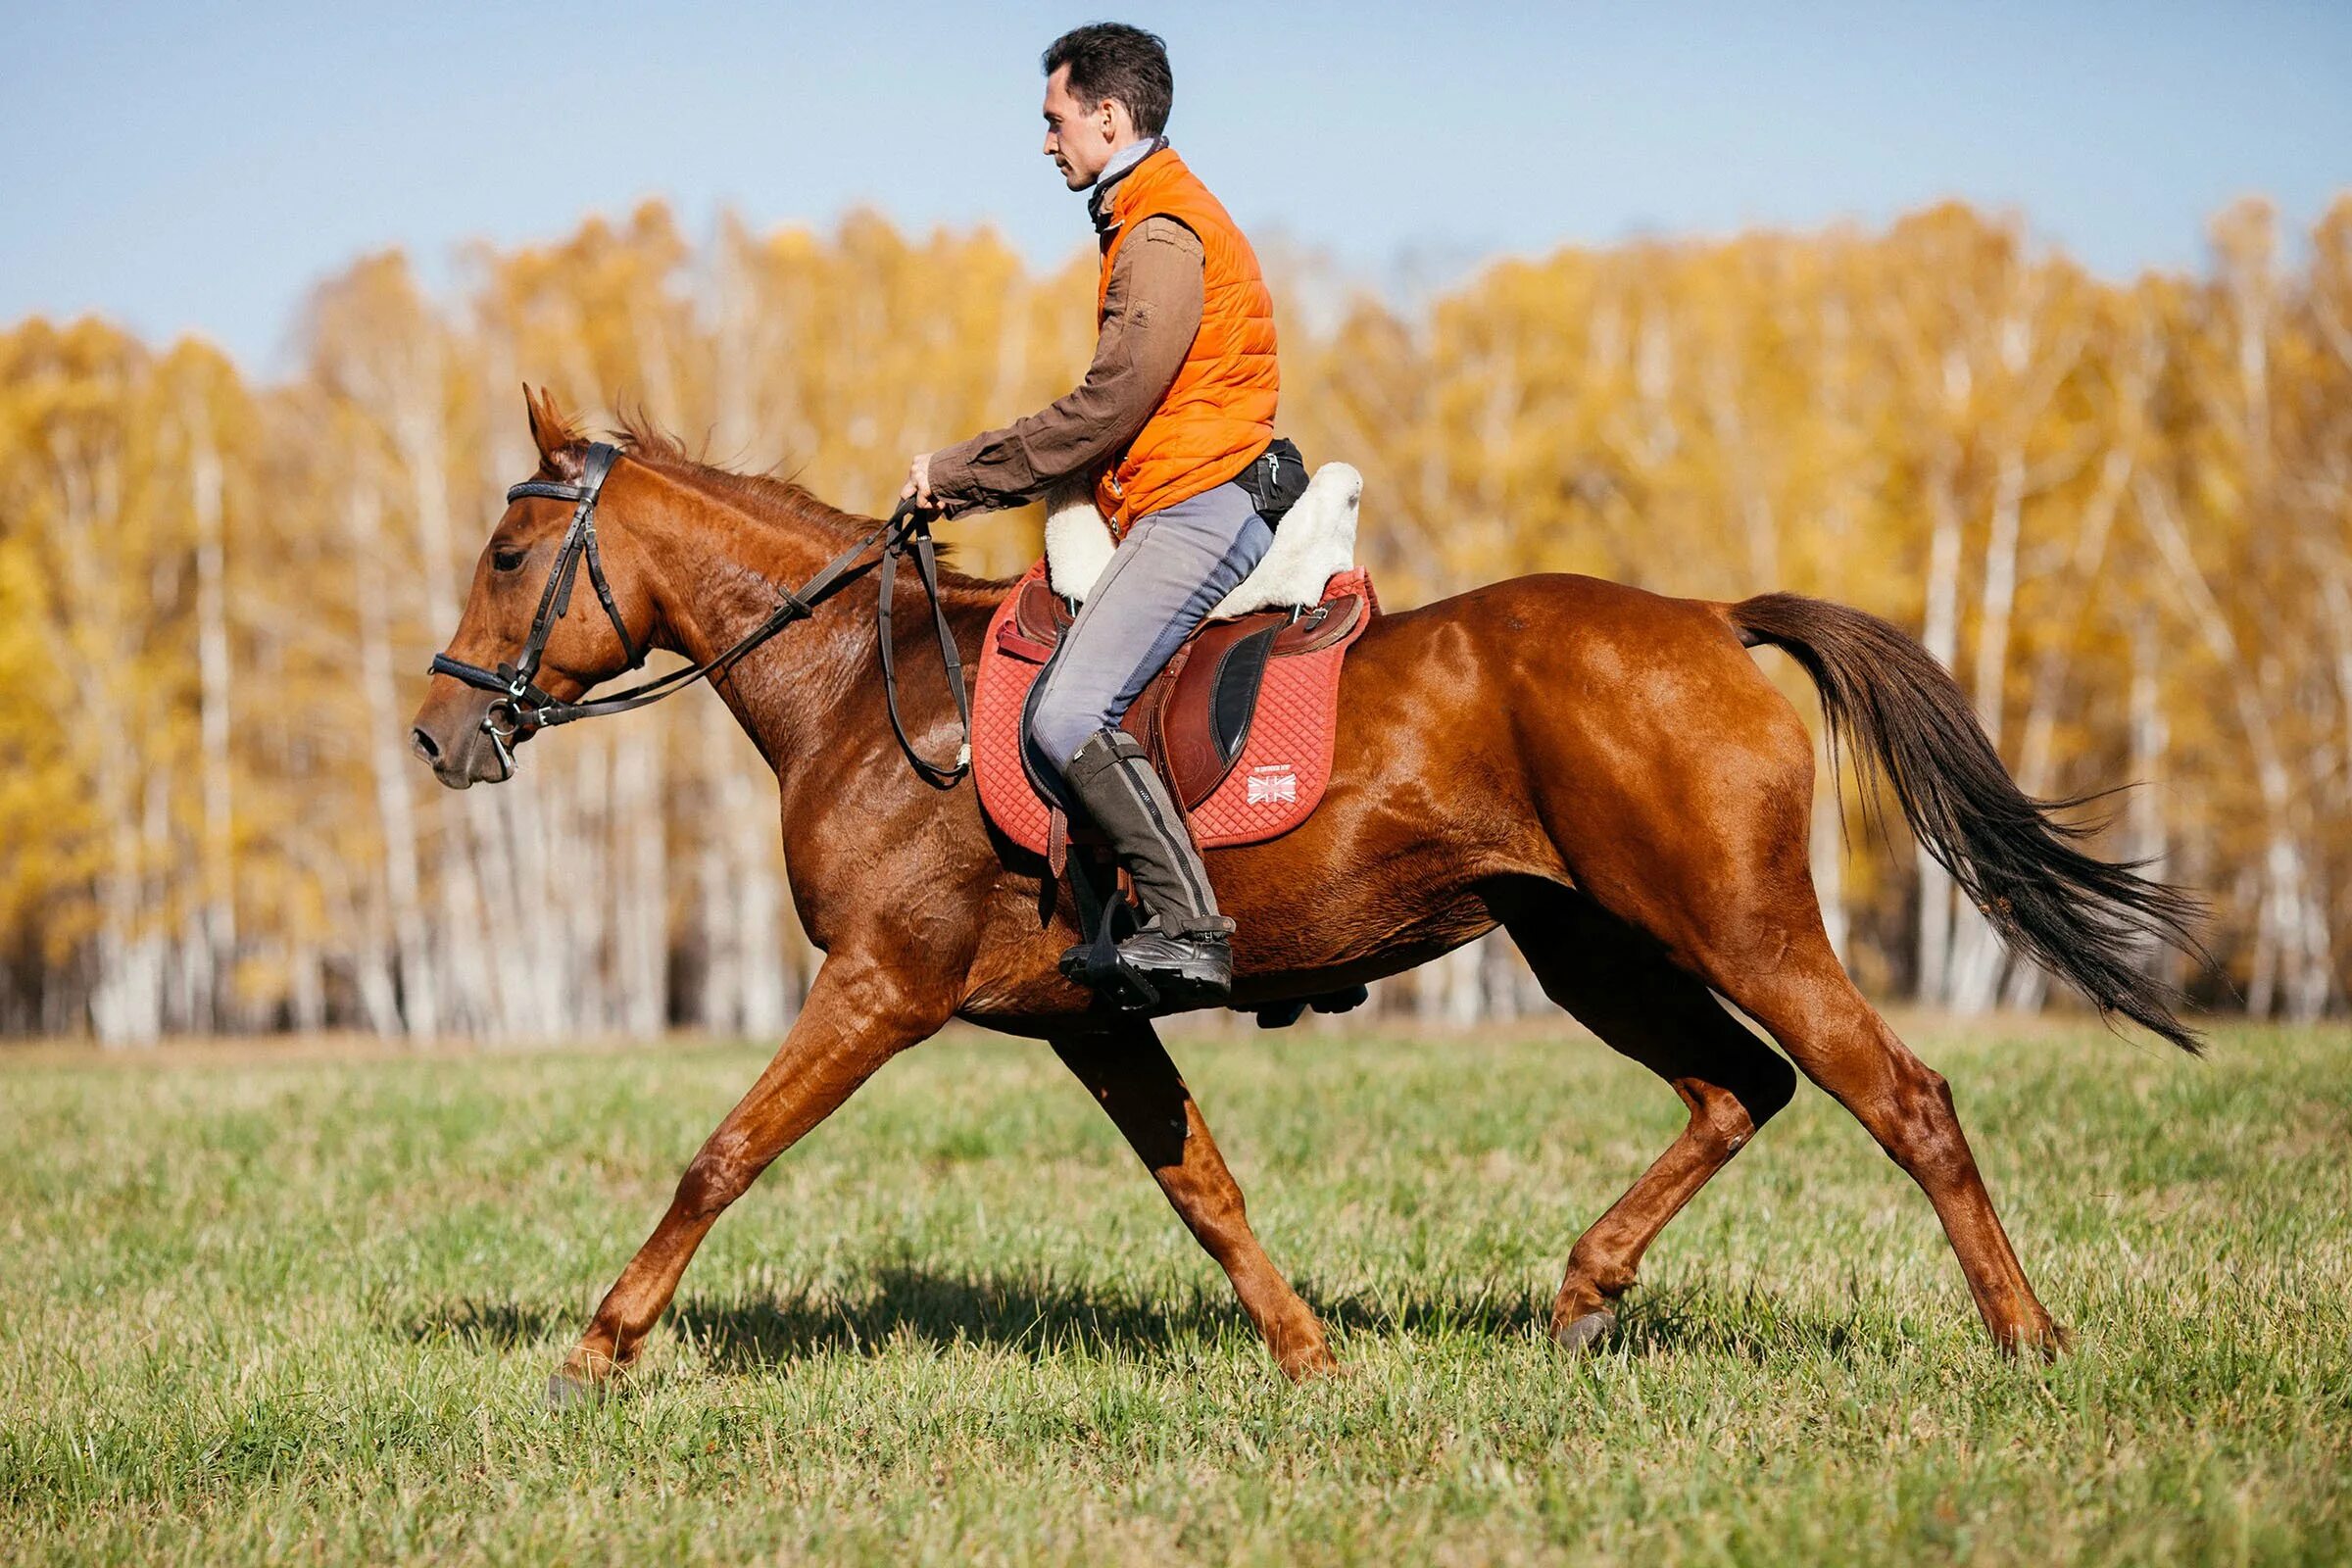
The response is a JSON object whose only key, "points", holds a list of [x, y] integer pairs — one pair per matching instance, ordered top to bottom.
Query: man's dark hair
{"points": [[1111, 60]]}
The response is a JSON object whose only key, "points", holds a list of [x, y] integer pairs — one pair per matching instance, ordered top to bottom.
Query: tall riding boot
{"points": [[1183, 950]]}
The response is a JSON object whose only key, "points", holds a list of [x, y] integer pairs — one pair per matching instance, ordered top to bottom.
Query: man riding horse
{"points": [[1176, 408], [1603, 773]]}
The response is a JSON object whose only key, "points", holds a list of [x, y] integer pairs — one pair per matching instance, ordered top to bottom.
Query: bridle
{"points": [[520, 706]]}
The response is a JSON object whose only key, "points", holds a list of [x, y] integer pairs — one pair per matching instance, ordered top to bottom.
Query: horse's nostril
{"points": [[422, 745]]}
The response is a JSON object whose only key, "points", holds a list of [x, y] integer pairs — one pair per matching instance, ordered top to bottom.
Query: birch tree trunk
{"points": [[2032, 380], [417, 391], [1940, 634], [2036, 766], [2036, 772], [751, 820], [506, 828], [2144, 835], [1826, 851], [581, 885], [640, 907], [2290, 928], [216, 934], [1974, 977], [420, 983], [1451, 990], [719, 996], [125, 998]]}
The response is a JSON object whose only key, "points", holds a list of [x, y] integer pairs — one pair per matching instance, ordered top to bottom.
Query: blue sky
{"points": [[196, 167]]}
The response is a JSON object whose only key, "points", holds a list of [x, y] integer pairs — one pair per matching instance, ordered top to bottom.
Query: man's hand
{"points": [[919, 482]]}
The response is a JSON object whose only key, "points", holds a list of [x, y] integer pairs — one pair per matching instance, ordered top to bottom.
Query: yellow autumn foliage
{"points": [[2121, 512]]}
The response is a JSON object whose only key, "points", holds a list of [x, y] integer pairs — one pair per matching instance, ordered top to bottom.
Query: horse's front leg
{"points": [[860, 1012]]}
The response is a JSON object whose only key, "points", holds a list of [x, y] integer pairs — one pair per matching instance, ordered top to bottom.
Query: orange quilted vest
{"points": [[1218, 415]]}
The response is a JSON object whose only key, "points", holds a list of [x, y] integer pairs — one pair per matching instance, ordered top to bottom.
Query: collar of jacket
{"points": [[1122, 164]]}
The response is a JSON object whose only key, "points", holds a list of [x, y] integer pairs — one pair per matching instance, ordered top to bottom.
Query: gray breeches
{"points": [[1166, 575]]}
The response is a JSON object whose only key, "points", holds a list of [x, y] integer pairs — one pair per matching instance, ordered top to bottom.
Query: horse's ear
{"points": [[553, 432]]}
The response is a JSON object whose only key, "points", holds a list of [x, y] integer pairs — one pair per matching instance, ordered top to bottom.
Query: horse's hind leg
{"points": [[1620, 984], [1839, 1041], [1130, 1075]]}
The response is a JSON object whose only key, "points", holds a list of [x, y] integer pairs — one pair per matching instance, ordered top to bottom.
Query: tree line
{"points": [[2119, 512]]}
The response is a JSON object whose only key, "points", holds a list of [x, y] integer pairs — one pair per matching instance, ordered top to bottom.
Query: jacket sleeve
{"points": [[1150, 313]]}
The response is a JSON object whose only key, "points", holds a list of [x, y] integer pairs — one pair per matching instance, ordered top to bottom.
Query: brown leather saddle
{"points": [[1194, 717]]}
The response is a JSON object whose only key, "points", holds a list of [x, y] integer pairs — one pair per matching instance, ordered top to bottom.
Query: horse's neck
{"points": [[725, 575], [809, 697]]}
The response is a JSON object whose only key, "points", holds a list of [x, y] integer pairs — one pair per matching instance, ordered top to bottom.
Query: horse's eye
{"points": [[505, 558]]}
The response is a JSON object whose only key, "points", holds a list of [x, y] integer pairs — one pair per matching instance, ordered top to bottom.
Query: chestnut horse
{"points": [[1602, 772]]}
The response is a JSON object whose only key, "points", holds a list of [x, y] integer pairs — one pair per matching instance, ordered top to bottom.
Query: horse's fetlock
{"points": [[1608, 1277]]}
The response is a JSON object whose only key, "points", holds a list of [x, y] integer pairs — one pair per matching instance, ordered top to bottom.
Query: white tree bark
{"points": [[2032, 380], [1940, 634], [388, 766], [2037, 767], [506, 828], [1827, 851], [642, 906], [2291, 934], [216, 939], [1973, 978], [1451, 989], [126, 994]]}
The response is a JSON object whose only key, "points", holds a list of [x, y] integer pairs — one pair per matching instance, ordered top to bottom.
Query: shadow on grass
{"points": [[899, 1302], [1699, 1321]]}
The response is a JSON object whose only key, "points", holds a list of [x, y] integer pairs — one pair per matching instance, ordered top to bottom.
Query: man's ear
{"points": [[553, 432]]}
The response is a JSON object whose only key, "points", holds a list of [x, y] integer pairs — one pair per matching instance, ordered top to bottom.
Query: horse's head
{"points": [[560, 601]]}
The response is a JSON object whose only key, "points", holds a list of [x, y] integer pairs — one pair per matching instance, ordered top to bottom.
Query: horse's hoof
{"points": [[1581, 1335], [2047, 1345], [1312, 1368]]}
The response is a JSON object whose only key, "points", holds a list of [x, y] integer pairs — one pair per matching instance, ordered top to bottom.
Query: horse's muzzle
{"points": [[452, 739]]}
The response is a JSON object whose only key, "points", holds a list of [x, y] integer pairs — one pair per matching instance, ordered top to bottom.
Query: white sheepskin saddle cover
{"points": [[1315, 540]]}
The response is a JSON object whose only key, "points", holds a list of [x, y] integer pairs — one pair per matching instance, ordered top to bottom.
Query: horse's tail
{"points": [[2089, 921]]}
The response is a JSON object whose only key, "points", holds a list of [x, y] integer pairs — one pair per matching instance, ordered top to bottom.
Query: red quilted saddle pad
{"points": [[1284, 761]]}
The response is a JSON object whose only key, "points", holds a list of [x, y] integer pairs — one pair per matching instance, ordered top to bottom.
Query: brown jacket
{"points": [[1151, 312]]}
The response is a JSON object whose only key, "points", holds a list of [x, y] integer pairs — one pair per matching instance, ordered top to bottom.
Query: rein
{"points": [[522, 707]]}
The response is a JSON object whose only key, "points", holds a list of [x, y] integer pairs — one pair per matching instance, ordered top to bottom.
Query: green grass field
{"points": [[263, 1308]]}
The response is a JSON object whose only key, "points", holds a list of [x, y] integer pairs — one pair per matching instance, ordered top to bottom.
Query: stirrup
{"points": [[1095, 962], [1118, 983], [1131, 986]]}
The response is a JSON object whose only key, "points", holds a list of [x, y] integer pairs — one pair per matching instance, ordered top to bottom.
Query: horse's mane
{"points": [[769, 495]]}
